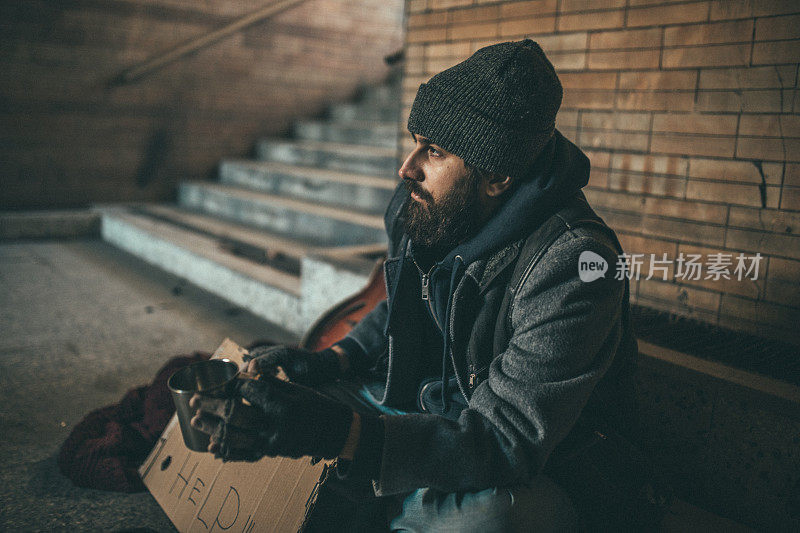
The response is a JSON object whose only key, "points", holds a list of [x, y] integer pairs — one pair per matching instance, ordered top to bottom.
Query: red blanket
{"points": [[106, 448]]}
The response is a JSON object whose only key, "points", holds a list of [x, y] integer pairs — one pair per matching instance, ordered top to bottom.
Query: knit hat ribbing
{"points": [[496, 110]]}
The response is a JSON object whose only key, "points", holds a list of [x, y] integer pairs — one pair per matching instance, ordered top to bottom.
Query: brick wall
{"points": [[690, 114], [66, 138]]}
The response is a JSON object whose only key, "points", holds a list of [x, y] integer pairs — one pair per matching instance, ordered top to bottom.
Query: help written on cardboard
{"points": [[202, 494]]}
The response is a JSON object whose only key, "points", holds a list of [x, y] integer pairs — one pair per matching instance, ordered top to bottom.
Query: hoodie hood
{"points": [[560, 170]]}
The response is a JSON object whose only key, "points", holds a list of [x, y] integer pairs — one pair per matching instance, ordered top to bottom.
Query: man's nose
{"points": [[409, 170]]}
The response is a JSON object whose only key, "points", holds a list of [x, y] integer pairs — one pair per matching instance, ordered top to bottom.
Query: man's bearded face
{"points": [[440, 225]]}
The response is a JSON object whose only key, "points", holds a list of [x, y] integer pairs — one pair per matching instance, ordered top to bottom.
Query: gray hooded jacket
{"points": [[531, 374]]}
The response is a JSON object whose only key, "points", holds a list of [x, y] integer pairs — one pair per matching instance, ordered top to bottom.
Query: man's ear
{"points": [[495, 185]]}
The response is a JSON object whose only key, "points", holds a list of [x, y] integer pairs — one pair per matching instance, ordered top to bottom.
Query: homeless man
{"points": [[491, 367]]}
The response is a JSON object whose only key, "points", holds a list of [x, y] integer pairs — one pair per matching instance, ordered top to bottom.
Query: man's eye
{"points": [[434, 152]]}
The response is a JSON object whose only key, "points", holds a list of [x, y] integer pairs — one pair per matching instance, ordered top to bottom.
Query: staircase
{"points": [[297, 229], [288, 234]]}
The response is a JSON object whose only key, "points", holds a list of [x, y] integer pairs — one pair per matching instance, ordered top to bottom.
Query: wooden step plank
{"points": [[230, 231], [258, 238], [757, 382]]}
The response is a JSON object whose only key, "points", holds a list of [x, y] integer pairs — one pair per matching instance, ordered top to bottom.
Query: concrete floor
{"points": [[80, 324]]}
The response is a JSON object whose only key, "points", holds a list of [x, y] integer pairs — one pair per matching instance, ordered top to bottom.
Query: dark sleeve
{"points": [[565, 333], [366, 341]]}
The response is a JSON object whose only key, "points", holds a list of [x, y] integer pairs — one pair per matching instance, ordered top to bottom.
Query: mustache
{"points": [[416, 188]]}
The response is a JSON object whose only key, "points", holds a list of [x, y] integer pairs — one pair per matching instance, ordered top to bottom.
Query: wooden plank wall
{"points": [[690, 113], [68, 139]]}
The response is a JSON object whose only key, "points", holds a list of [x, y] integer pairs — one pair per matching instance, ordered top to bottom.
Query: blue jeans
{"points": [[540, 505]]}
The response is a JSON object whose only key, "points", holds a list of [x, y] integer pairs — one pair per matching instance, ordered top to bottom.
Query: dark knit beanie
{"points": [[496, 110]]}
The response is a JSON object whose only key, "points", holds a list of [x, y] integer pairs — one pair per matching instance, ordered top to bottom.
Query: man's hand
{"points": [[299, 365], [282, 419]]}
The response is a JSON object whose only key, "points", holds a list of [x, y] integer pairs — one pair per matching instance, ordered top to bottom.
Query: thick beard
{"points": [[438, 227]]}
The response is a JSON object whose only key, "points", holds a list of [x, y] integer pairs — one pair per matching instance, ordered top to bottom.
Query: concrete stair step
{"points": [[368, 110], [382, 134], [371, 160], [331, 187], [305, 221], [263, 246], [207, 262]]}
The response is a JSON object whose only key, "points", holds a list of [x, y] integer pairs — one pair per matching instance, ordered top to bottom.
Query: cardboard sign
{"points": [[202, 494]]}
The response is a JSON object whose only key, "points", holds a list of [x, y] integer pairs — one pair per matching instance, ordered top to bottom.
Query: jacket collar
{"points": [[484, 271]]}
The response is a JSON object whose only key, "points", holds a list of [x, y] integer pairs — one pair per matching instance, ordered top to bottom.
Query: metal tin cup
{"points": [[216, 378]]}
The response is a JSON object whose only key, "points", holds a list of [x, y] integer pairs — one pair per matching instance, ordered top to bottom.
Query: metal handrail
{"points": [[138, 71]]}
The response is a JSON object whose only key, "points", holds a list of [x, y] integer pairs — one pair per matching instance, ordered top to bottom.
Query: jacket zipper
{"points": [[426, 280], [425, 295]]}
